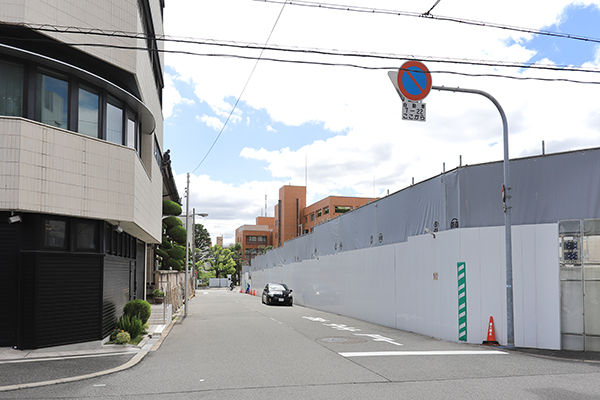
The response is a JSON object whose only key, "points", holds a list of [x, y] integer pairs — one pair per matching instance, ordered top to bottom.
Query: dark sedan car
{"points": [[277, 293]]}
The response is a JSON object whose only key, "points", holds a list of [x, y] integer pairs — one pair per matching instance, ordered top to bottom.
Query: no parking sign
{"points": [[414, 80], [413, 83]]}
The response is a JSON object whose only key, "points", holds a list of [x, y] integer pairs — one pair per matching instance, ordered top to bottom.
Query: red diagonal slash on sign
{"points": [[411, 68], [414, 80]]}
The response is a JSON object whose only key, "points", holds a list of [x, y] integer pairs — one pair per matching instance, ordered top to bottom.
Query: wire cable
{"points": [[430, 16], [242, 92]]}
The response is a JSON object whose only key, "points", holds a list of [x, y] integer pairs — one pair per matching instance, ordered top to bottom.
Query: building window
{"points": [[11, 89], [52, 99], [88, 118], [114, 121], [133, 135], [157, 154], [342, 209], [326, 210], [318, 213], [312, 216], [55, 233], [86, 235]]}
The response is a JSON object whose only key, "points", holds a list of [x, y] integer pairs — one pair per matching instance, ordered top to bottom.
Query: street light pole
{"points": [[510, 320]]}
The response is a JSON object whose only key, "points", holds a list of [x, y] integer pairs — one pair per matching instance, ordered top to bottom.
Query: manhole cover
{"points": [[341, 340]]}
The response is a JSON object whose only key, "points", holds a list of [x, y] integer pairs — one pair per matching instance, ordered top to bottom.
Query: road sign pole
{"points": [[510, 321]]}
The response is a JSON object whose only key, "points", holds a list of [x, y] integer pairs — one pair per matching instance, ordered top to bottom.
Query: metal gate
{"points": [[580, 284]]}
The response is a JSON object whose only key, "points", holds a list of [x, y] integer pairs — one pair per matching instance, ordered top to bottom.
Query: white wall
{"points": [[394, 285]]}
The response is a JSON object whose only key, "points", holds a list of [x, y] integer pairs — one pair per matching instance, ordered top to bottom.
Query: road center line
{"points": [[421, 353]]}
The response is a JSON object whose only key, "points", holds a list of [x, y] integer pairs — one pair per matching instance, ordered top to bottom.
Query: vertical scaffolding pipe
{"points": [[510, 320]]}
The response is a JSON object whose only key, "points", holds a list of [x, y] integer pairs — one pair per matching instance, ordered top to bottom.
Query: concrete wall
{"points": [[413, 285]]}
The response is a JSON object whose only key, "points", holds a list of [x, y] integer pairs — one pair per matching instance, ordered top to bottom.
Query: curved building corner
{"points": [[81, 171]]}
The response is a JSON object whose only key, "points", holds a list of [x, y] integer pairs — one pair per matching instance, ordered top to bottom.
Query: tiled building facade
{"points": [[81, 170]]}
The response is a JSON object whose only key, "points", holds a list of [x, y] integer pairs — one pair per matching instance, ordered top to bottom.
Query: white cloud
{"points": [[172, 97], [212, 122], [375, 150], [229, 206]]}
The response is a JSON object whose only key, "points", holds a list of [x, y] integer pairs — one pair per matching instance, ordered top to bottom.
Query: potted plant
{"points": [[159, 296]]}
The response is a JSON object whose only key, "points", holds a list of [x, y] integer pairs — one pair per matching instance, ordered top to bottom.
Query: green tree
{"points": [[201, 242], [263, 249], [171, 252], [238, 256], [221, 261]]}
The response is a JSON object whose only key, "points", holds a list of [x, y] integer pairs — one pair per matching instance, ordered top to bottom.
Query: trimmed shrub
{"points": [[171, 208], [172, 221], [178, 233], [166, 243], [177, 252], [162, 253], [175, 264], [138, 308], [133, 325], [122, 338]]}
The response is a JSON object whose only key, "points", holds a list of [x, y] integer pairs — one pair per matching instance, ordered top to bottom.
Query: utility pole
{"points": [[187, 243]]}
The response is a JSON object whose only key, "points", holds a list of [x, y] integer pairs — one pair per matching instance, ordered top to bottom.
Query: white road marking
{"points": [[379, 338], [421, 353]]}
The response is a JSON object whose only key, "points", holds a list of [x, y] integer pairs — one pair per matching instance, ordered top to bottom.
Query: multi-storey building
{"points": [[81, 165], [328, 208], [288, 213], [293, 218], [253, 238]]}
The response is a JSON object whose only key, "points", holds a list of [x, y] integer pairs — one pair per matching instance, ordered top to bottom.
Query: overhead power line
{"points": [[427, 15], [301, 50], [242, 92]]}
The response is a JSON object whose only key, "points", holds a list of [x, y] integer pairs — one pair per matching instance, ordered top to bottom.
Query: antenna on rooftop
{"points": [[265, 205]]}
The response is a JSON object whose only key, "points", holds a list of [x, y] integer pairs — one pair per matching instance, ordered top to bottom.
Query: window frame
{"points": [[66, 232]]}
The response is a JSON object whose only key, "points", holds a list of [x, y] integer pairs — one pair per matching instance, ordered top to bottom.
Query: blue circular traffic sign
{"points": [[414, 80]]}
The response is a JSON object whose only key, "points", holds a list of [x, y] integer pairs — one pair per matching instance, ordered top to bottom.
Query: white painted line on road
{"points": [[420, 353]]}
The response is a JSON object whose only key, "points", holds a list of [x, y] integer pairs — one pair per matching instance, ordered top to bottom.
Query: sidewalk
{"points": [[20, 369]]}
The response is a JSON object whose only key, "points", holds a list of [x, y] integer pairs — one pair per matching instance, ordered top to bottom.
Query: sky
{"points": [[244, 128]]}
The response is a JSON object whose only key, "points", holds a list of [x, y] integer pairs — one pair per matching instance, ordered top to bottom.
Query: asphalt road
{"points": [[231, 346]]}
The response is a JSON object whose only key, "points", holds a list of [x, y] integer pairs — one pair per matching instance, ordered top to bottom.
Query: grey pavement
{"points": [[34, 368], [20, 369]]}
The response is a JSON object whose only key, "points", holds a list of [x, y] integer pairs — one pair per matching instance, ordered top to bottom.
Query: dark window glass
{"points": [[11, 89], [89, 101], [51, 104], [114, 121], [132, 134], [157, 155], [342, 209], [55, 233], [86, 236]]}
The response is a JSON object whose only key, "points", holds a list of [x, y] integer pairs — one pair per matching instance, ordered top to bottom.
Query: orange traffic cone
{"points": [[491, 336]]}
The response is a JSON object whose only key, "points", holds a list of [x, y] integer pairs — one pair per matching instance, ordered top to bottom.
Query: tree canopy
{"points": [[201, 242], [221, 261]]}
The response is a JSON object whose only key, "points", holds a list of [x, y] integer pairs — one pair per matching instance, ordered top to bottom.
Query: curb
{"points": [[134, 360]]}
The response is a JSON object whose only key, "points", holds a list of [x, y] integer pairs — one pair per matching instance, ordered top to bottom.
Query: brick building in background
{"points": [[293, 218], [254, 237]]}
